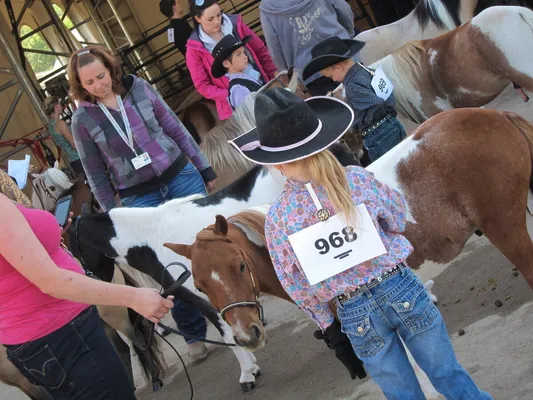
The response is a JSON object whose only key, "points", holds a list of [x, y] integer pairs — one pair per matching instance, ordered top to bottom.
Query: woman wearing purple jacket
{"points": [[130, 142]]}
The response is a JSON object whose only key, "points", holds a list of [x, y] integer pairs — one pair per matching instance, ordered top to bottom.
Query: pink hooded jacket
{"points": [[199, 62]]}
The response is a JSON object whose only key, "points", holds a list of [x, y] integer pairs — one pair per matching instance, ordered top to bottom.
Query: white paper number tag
{"points": [[170, 33], [381, 84], [140, 161], [330, 247]]}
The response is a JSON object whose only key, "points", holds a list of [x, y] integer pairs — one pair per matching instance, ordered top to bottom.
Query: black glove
{"points": [[336, 340]]}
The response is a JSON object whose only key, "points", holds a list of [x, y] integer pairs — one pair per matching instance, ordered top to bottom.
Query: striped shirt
{"points": [[368, 107], [157, 131]]}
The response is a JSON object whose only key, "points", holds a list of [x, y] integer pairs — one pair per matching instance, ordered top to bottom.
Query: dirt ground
{"points": [[496, 348]]}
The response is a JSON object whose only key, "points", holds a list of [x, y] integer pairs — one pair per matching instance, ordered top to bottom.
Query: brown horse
{"points": [[461, 170]]}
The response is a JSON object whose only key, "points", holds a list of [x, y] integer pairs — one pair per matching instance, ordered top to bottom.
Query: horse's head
{"points": [[47, 188], [224, 271]]}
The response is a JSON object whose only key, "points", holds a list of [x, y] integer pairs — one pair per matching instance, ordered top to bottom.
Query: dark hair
{"points": [[166, 7], [197, 11], [86, 56]]}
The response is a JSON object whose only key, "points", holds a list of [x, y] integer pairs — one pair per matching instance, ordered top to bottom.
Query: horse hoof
{"points": [[257, 374], [157, 386], [247, 386]]}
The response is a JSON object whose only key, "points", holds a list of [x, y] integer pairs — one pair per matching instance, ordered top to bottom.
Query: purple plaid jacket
{"points": [[158, 132]]}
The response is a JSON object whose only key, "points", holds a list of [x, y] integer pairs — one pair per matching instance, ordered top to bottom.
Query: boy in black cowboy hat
{"points": [[231, 60], [368, 92]]}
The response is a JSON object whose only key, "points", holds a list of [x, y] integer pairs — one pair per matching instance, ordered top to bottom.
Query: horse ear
{"points": [[290, 71], [56, 164], [221, 225], [182, 249]]}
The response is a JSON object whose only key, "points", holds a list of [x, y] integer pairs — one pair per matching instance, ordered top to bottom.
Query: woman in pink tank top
{"points": [[52, 334]]}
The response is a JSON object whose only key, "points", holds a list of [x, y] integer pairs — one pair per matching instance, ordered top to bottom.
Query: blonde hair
{"points": [[327, 171]]}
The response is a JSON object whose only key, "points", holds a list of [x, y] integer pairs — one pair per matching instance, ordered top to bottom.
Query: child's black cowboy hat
{"points": [[227, 45], [330, 52], [290, 129]]}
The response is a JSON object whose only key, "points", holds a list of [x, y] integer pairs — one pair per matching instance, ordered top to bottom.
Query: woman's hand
{"points": [[211, 185], [67, 225], [151, 305]]}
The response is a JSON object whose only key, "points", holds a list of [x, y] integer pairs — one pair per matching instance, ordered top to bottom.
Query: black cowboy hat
{"points": [[227, 45], [330, 52], [290, 129]]}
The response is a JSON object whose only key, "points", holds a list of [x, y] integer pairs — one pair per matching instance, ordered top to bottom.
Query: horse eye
{"points": [[53, 188], [243, 266]]}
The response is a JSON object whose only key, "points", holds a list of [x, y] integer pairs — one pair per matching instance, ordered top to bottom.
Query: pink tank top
{"points": [[26, 313]]}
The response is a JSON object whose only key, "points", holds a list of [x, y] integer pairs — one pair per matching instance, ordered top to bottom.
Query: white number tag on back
{"points": [[170, 34], [381, 84], [140, 161], [330, 247]]}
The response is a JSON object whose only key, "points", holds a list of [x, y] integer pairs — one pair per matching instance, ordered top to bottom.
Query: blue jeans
{"points": [[383, 138], [400, 307], [188, 318], [76, 361]]}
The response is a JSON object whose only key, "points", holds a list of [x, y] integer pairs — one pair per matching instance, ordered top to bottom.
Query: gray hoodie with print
{"points": [[293, 27]]}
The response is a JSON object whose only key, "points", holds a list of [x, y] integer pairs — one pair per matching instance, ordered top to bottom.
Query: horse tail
{"points": [[443, 13], [526, 129]]}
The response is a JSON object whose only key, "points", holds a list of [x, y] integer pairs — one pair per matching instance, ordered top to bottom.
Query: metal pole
{"points": [[97, 23], [63, 32], [128, 36], [22, 77], [10, 111]]}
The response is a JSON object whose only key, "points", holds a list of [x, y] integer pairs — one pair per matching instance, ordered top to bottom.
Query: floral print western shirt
{"points": [[295, 211]]}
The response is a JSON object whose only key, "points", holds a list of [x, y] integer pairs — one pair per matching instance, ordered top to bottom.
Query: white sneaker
{"points": [[197, 351]]}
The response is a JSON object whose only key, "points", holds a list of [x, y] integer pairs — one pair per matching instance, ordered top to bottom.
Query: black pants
{"points": [[75, 362]]}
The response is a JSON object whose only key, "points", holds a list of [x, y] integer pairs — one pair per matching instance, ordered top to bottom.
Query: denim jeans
{"points": [[383, 138], [399, 307], [188, 318], [76, 361]]}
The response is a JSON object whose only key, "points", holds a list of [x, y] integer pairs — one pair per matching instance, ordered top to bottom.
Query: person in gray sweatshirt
{"points": [[293, 27]]}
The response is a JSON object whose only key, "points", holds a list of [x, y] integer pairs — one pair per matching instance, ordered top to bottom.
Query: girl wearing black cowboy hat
{"points": [[368, 92], [335, 234]]}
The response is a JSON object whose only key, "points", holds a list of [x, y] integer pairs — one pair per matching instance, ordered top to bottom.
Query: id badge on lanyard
{"points": [[138, 161], [331, 246]]}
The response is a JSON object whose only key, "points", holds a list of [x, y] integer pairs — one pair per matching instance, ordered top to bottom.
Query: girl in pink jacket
{"points": [[211, 26]]}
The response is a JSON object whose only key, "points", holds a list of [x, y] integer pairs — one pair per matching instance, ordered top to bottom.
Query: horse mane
{"points": [[443, 13], [404, 67], [215, 144], [58, 177], [252, 219]]}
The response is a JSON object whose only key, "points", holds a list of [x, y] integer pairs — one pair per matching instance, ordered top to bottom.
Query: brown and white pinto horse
{"points": [[430, 18], [466, 67], [447, 200]]}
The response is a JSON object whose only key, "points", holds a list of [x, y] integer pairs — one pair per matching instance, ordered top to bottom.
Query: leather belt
{"points": [[374, 126], [342, 298]]}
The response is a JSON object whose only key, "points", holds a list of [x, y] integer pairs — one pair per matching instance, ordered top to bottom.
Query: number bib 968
{"points": [[330, 247]]}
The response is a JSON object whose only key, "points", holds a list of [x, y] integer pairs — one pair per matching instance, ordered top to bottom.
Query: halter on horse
{"points": [[48, 187]]}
